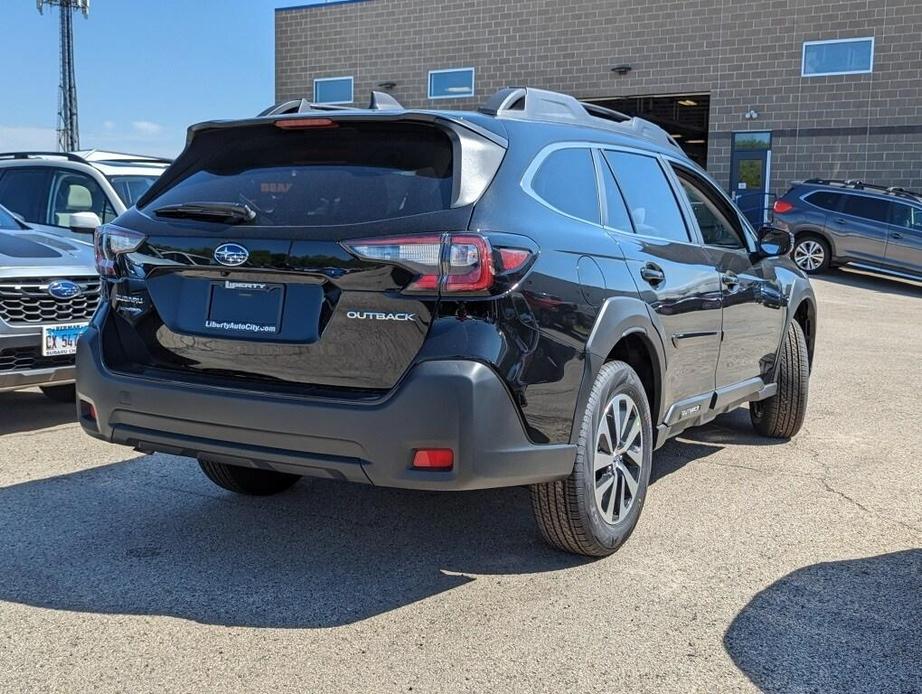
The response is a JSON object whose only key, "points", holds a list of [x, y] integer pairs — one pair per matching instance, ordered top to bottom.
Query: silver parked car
{"points": [[850, 222], [49, 290]]}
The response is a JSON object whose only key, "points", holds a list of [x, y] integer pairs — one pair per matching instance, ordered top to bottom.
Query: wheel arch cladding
{"points": [[805, 315], [624, 331]]}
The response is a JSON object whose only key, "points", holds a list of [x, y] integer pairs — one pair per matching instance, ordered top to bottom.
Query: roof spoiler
{"points": [[380, 101]]}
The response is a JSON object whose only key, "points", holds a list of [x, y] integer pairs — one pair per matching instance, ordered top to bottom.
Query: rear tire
{"points": [[811, 253], [66, 393], [782, 415], [247, 480], [583, 514]]}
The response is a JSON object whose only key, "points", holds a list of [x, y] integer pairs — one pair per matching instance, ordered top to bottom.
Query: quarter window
{"points": [[838, 57], [451, 84], [333, 90], [566, 181], [649, 196], [826, 200], [869, 208]]}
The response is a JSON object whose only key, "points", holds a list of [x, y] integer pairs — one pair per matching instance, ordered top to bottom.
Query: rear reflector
{"points": [[782, 207], [87, 411], [434, 459]]}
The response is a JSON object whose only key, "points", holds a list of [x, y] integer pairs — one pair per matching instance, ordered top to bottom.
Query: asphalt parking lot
{"points": [[787, 566]]}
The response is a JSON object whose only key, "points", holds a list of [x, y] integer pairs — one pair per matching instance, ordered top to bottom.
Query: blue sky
{"points": [[145, 70]]}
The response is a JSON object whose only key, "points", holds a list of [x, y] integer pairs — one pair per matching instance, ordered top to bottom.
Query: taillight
{"points": [[782, 207], [110, 242], [449, 263]]}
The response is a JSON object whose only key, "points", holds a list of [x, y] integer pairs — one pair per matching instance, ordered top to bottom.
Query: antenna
{"points": [[68, 127]]}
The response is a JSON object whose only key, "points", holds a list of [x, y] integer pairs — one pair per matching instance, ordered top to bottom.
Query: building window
{"points": [[838, 57], [451, 84], [333, 90]]}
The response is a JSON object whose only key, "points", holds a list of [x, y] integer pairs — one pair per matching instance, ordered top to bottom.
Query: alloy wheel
{"points": [[809, 255], [618, 459]]}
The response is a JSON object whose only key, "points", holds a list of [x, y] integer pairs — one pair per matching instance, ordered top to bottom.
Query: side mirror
{"points": [[84, 222], [774, 242]]}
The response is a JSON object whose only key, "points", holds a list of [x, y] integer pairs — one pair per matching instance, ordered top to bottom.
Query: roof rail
{"points": [[380, 101], [528, 103], [36, 155], [861, 185]]}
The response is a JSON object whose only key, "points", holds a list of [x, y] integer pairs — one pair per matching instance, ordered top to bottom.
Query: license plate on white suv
{"points": [[61, 339]]}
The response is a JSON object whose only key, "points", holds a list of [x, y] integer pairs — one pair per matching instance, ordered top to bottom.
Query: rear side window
{"points": [[342, 174], [566, 181], [25, 192], [649, 196], [826, 200], [869, 208]]}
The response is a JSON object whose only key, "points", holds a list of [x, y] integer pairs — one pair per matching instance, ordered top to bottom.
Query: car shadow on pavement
{"points": [[884, 284], [29, 410], [733, 428], [151, 536], [839, 626]]}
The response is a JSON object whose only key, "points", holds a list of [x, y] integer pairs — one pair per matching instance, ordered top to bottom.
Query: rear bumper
{"points": [[455, 404]]}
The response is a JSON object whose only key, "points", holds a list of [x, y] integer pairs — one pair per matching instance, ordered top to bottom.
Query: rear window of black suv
{"points": [[343, 173]]}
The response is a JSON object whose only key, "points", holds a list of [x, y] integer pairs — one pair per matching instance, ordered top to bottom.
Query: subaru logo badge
{"points": [[231, 254], [64, 289]]}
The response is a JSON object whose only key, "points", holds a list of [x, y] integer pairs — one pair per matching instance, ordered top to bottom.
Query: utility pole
{"points": [[68, 126]]}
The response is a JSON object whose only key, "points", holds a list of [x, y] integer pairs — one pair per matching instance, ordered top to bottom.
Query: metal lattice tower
{"points": [[68, 126]]}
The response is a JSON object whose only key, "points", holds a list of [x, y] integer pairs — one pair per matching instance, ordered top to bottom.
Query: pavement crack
{"points": [[832, 490]]}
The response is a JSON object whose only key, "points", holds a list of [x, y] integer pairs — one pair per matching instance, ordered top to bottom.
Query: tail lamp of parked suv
{"points": [[110, 242], [447, 263]]}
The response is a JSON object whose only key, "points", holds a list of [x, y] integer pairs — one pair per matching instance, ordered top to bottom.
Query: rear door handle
{"points": [[839, 220], [896, 235], [653, 274]]}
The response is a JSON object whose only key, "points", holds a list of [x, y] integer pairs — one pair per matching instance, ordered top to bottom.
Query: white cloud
{"points": [[109, 125], [147, 128], [17, 138]]}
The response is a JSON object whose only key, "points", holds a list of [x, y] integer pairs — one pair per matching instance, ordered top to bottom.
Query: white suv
{"points": [[48, 187]]}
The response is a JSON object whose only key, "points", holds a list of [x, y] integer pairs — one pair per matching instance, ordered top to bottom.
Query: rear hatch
{"points": [[233, 269]]}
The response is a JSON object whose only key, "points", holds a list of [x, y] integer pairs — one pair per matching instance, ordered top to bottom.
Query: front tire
{"points": [[811, 254], [66, 393], [782, 415], [247, 480], [595, 509]]}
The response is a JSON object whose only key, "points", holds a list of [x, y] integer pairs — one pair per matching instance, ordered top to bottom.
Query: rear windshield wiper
{"points": [[227, 212]]}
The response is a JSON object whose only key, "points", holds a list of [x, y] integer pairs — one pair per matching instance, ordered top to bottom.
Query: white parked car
{"points": [[48, 187]]}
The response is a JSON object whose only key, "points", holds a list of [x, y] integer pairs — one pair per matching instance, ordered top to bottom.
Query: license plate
{"points": [[61, 339]]}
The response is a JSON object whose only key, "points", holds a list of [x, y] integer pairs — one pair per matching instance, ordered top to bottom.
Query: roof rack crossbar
{"points": [[380, 101], [528, 103], [29, 155]]}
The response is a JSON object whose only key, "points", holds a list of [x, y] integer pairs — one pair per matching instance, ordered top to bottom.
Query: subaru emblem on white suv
{"points": [[231, 254]]}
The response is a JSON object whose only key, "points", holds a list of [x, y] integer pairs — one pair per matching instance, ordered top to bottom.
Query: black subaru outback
{"points": [[539, 293]]}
